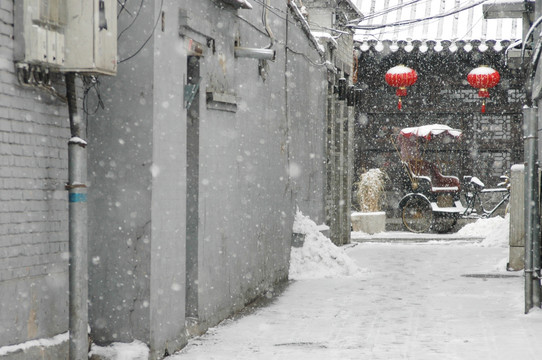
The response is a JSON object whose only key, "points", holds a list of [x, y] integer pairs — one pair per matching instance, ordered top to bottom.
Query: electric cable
{"points": [[123, 8], [271, 8], [390, 9], [133, 20], [412, 21], [265, 22], [476, 23], [251, 24], [531, 29], [148, 38], [305, 56], [91, 83]]}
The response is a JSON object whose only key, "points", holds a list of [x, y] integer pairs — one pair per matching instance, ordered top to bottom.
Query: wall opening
{"points": [[192, 184]]}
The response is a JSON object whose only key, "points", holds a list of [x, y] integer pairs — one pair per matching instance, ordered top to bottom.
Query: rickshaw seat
{"points": [[439, 182]]}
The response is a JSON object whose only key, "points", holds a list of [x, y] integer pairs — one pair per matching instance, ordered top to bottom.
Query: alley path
{"points": [[416, 301]]}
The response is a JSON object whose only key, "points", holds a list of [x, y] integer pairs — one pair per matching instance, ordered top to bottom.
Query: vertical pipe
{"points": [[349, 128], [331, 186], [536, 214], [531, 220], [78, 265]]}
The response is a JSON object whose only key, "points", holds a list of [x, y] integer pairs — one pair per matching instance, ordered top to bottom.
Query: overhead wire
{"points": [[123, 8], [271, 8], [390, 9], [275, 11], [435, 18], [133, 20], [413, 21], [265, 22], [475, 23], [148, 38], [306, 57], [91, 83]]}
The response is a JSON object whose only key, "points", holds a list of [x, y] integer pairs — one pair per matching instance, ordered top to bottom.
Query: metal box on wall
{"points": [[39, 25], [67, 35], [91, 36]]}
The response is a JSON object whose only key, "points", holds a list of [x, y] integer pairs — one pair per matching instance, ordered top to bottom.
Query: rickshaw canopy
{"points": [[430, 132], [410, 139]]}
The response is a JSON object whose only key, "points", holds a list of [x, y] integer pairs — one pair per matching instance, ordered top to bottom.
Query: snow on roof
{"points": [[243, 4], [425, 20], [322, 35], [427, 131]]}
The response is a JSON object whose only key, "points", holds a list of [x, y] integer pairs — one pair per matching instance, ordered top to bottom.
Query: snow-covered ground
{"points": [[408, 300], [436, 300]]}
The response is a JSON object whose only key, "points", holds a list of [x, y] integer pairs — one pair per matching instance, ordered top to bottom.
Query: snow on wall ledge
{"points": [[318, 257], [34, 344]]}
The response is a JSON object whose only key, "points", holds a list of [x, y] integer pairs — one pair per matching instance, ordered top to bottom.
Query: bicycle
{"points": [[475, 188]]}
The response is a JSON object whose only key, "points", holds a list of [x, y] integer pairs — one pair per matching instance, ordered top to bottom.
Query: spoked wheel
{"points": [[417, 214]]}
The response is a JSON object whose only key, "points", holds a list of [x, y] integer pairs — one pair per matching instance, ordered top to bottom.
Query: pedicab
{"points": [[433, 201]]}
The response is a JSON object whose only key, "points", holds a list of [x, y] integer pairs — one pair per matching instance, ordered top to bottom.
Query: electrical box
{"points": [[39, 25], [67, 35], [91, 36]]}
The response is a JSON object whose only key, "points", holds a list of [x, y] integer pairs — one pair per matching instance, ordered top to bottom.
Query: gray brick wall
{"points": [[345, 54], [34, 130]]}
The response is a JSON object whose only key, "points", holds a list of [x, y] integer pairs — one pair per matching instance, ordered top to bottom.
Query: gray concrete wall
{"points": [[323, 15], [307, 117], [257, 158], [120, 159], [257, 163], [33, 203], [168, 205]]}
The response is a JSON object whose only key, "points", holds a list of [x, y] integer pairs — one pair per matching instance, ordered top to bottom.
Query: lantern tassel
{"points": [[399, 104], [483, 107]]}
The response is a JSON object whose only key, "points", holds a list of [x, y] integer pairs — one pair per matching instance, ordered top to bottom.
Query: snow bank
{"points": [[494, 230], [319, 257], [135, 350]]}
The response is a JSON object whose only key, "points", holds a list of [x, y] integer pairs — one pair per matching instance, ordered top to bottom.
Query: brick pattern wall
{"points": [[344, 53], [34, 130]]}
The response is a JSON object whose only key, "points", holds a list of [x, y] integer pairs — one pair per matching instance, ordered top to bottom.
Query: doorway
{"points": [[192, 185]]}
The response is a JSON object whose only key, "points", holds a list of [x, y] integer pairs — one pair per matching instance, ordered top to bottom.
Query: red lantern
{"points": [[400, 77], [483, 78]]}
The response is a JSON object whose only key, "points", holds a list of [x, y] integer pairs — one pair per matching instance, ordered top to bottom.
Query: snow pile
{"points": [[494, 230], [319, 257], [135, 350]]}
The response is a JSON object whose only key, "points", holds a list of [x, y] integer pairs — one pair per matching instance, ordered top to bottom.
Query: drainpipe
{"points": [[528, 141], [536, 217], [532, 243], [78, 265]]}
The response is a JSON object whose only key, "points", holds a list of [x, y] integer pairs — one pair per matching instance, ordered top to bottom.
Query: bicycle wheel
{"points": [[417, 214]]}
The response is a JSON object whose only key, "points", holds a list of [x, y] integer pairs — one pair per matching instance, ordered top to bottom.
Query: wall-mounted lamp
{"points": [[255, 53]]}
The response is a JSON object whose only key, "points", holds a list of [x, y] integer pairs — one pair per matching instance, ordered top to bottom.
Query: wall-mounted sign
{"points": [[194, 48]]}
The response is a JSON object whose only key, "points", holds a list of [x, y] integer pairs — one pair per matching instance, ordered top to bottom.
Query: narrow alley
{"points": [[436, 300]]}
